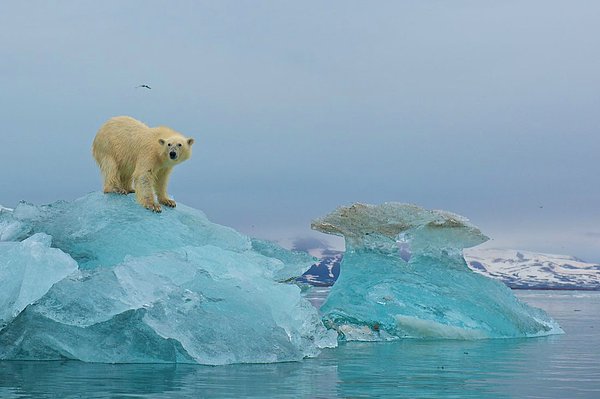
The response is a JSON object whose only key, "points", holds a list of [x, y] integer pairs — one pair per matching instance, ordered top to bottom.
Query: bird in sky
{"points": [[144, 86]]}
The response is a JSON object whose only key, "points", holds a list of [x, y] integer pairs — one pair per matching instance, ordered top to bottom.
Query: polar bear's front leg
{"points": [[162, 178], [144, 183]]}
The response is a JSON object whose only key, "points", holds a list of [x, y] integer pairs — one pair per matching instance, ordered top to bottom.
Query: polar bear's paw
{"points": [[168, 202], [153, 207]]}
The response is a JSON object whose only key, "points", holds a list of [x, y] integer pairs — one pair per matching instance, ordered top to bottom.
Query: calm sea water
{"points": [[565, 366]]}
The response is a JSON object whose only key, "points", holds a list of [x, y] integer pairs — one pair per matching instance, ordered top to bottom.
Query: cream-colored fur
{"points": [[132, 155]]}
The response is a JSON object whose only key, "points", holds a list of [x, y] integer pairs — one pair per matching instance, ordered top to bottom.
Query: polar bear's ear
{"points": [[190, 141], [161, 142]]}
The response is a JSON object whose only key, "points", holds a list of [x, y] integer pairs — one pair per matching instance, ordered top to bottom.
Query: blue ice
{"points": [[404, 276], [101, 279], [124, 285]]}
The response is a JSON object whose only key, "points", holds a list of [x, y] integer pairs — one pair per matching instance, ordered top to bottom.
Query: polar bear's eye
{"points": [[169, 144], [179, 145]]}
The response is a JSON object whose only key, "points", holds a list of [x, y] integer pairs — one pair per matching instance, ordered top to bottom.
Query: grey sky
{"points": [[488, 109]]}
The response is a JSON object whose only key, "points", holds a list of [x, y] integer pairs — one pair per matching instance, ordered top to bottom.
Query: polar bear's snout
{"points": [[173, 149]]}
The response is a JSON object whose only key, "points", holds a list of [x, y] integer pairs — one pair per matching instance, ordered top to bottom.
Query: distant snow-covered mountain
{"points": [[516, 269], [530, 270], [323, 273]]}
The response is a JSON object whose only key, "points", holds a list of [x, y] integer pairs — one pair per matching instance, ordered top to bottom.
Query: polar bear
{"points": [[127, 151]]}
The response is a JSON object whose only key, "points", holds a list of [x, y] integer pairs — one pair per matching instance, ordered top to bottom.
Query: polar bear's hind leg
{"points": [[110, 173]]}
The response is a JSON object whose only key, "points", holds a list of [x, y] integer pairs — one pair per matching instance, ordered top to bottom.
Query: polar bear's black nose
{"points": [[173, 154]]}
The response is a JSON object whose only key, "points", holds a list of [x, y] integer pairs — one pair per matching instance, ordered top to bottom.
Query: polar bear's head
{"points": [[176, 148]]}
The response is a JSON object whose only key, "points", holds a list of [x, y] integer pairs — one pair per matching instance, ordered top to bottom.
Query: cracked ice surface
{"points": [[403, 276], [169, 287]]}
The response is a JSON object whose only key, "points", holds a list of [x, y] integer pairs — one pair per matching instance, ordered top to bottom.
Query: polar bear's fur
{"points": [[136, 158]]}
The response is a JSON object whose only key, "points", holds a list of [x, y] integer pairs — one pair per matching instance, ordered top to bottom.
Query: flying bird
{"points": [[144, 86]]}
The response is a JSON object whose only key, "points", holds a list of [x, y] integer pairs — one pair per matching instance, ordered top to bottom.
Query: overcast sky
{"points": [[490, 109]]}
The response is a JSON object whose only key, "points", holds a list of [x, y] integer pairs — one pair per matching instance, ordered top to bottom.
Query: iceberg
{"points": [[404, 276], [100, 279], [122, 285]]}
